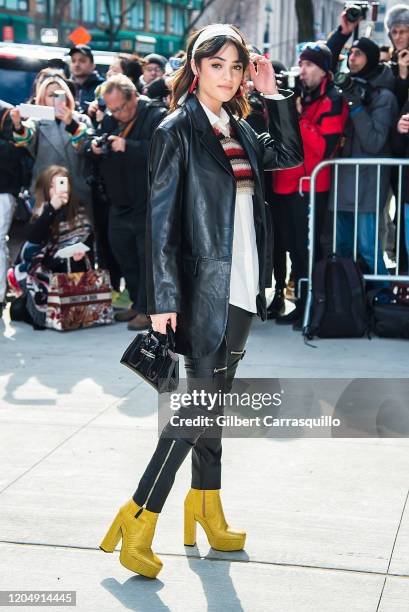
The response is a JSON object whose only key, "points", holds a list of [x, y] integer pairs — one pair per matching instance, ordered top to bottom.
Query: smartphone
{"points": [[176, 62], [59, 99], [61, 184]]}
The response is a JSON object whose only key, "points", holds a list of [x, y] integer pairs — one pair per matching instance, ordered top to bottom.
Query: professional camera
{"points": [[356, 10], [289, 79], [344, 81], [348, 83], [102, 106], [102, 142]]}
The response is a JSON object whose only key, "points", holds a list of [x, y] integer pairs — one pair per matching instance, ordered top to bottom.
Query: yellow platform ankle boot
{"points": [[205, 507], [136, 526]]}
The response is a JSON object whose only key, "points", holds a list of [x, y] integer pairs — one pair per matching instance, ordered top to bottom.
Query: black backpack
{"points": [[339, 304], [389, 317]]}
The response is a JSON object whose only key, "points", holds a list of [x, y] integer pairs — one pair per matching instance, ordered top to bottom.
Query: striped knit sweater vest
{"points": [[240, 164]]}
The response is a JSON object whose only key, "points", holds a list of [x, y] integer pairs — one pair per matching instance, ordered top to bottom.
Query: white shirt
{"points": [[244, 285]]}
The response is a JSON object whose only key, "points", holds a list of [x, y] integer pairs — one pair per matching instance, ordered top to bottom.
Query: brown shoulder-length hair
{"points": [[184, 76], [42, 194]]}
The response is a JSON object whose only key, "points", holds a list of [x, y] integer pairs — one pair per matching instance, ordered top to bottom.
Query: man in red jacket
{"points": [[323, 114]]}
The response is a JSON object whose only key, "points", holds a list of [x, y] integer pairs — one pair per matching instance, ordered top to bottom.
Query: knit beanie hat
{"points": [[398, 14], [371, 50], [319, 54], [155, 58]]}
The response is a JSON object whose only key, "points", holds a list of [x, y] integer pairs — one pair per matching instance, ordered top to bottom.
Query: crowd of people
{"points": [[100, 140]]}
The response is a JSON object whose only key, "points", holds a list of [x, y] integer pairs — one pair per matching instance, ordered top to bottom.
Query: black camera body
{"points": [[356, 9], [289, 79], [347, 84], [102, 106], [102, 142]]}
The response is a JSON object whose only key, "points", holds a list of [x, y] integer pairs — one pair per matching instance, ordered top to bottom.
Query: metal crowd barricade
{"points": [[357, 162]]}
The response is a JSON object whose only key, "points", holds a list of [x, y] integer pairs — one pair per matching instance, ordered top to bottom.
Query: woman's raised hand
{"points": [[262, 74], [64, 113], [403, 124], [58, 200], [78, 256], [159, 321]]}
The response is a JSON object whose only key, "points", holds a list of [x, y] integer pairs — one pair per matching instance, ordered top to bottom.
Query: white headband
{"points": [[213, 30]]}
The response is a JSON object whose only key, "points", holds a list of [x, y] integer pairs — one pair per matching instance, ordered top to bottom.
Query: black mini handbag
{"points": [[151, 355]]}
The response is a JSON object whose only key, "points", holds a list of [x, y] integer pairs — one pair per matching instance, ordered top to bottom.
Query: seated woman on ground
{"points": [[58, 220]]}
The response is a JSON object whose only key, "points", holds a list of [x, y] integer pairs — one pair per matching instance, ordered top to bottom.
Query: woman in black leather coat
{"points": [[208, 263]]}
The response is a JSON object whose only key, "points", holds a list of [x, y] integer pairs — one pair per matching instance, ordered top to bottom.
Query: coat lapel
{"points": [[206, 134]]}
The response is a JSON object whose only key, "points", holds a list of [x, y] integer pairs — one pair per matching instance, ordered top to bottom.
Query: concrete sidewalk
{"points": [[327, 520]]}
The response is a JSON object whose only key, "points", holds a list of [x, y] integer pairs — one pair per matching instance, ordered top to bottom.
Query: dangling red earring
{"points": [[193, 85], [242, 90]]}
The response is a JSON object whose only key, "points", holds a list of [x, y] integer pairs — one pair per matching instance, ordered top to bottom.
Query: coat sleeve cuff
{"points": [[277, 96], [72, 127]]}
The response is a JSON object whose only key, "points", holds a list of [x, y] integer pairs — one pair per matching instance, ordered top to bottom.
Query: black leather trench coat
{"points": [[190, 216]]}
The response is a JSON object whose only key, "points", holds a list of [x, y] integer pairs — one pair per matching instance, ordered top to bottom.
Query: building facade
{"points": [[272, 24], [147, 25]]}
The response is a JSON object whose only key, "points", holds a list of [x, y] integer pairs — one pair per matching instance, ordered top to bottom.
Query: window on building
{"points": [[14, 5], [41, 6], [75, 10], [83, 10], [89, 11], [115, 11], [135, 19], [177, 21], [157, 22]]}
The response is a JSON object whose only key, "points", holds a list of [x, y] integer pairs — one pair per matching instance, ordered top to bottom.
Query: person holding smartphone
{"points": [[50, 141], [58, 220]]}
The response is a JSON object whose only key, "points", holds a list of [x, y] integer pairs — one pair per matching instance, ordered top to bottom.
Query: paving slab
{"points": [[272, 351], [24, 445], [326, 503], [325, 518], [400, 556], [184, 583], [395, 595]]}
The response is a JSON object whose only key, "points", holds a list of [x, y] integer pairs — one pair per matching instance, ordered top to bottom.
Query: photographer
{"points": [[397, 26], [372, 113], [322, 118], [123, 159]]}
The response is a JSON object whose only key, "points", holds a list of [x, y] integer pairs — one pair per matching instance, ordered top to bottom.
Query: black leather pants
{"points": [[214, 372]]}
